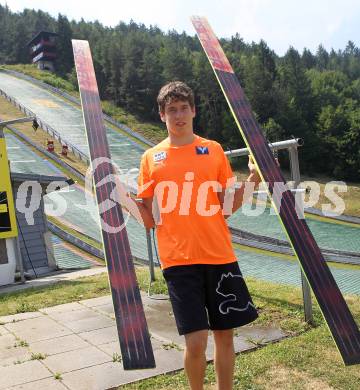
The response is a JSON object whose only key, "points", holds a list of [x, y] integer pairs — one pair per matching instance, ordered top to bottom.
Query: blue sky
{"points": [[280, 23]]}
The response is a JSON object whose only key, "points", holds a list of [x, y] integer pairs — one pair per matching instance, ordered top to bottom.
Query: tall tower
{"points": [[43, 50]]}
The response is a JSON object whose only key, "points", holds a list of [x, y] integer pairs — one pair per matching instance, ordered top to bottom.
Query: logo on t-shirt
{"points": [[202, 150], [159, 156]]}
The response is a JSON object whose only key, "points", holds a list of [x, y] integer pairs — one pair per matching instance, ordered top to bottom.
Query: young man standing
{"points": [[182, 184]]}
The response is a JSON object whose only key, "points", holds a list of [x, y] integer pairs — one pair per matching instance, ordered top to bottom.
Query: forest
{"points": [[314, 96]]}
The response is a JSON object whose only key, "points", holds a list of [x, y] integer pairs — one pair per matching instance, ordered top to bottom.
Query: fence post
{"points": [[150, 253]]}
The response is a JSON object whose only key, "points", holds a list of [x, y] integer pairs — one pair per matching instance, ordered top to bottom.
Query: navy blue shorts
{"points": [[205, 296]]}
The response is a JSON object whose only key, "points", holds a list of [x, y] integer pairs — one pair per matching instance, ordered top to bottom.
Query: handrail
{"points": [[76, 101], [50, 130]]}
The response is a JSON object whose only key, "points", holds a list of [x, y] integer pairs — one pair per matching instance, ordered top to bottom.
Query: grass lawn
{"points": [[45, 76], [351, 197], [306, 360]]}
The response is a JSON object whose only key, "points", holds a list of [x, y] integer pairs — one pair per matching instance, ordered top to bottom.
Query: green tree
{"points": [[322, 58], [308, 59], [65, 60], [175, 61], [259, 79], [328, 87], [315, 97], [296, 113]]}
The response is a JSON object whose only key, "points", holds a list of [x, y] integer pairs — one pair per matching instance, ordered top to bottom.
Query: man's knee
{"points": [[224, 338], [196, 342]]}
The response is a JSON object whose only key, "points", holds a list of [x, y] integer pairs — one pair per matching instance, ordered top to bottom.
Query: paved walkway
{"points": [[56, 277], [75, 346]]}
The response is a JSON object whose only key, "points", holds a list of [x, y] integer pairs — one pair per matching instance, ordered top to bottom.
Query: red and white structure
{"points": [[43, 50]]}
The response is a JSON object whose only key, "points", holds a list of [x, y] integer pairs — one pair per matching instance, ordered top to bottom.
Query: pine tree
{"points": [[65, 61]]}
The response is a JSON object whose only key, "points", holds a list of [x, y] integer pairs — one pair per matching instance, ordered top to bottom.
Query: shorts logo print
{"points": [[237, 305]]}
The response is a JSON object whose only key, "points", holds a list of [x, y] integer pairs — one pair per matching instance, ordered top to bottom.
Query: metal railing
{"points": [[76, 101], [50, 130], [290, 143], [292, 147]]}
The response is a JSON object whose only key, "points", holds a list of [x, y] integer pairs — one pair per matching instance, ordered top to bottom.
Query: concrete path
{"points": [[56, 277], [75, 346]]}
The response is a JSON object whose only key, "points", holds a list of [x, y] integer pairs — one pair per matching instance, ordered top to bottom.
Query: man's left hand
{"points": [[254, 174]]}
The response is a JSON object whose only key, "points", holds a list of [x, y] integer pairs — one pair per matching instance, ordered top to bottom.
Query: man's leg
{"points": [[187, 296], [229, 306], [194, 358], [224, 358]]}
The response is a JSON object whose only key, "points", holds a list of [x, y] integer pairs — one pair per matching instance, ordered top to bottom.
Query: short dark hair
{"points": [[175, 90]]}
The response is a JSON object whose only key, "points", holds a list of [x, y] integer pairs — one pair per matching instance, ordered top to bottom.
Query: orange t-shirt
{"points": [[184, 181]]}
